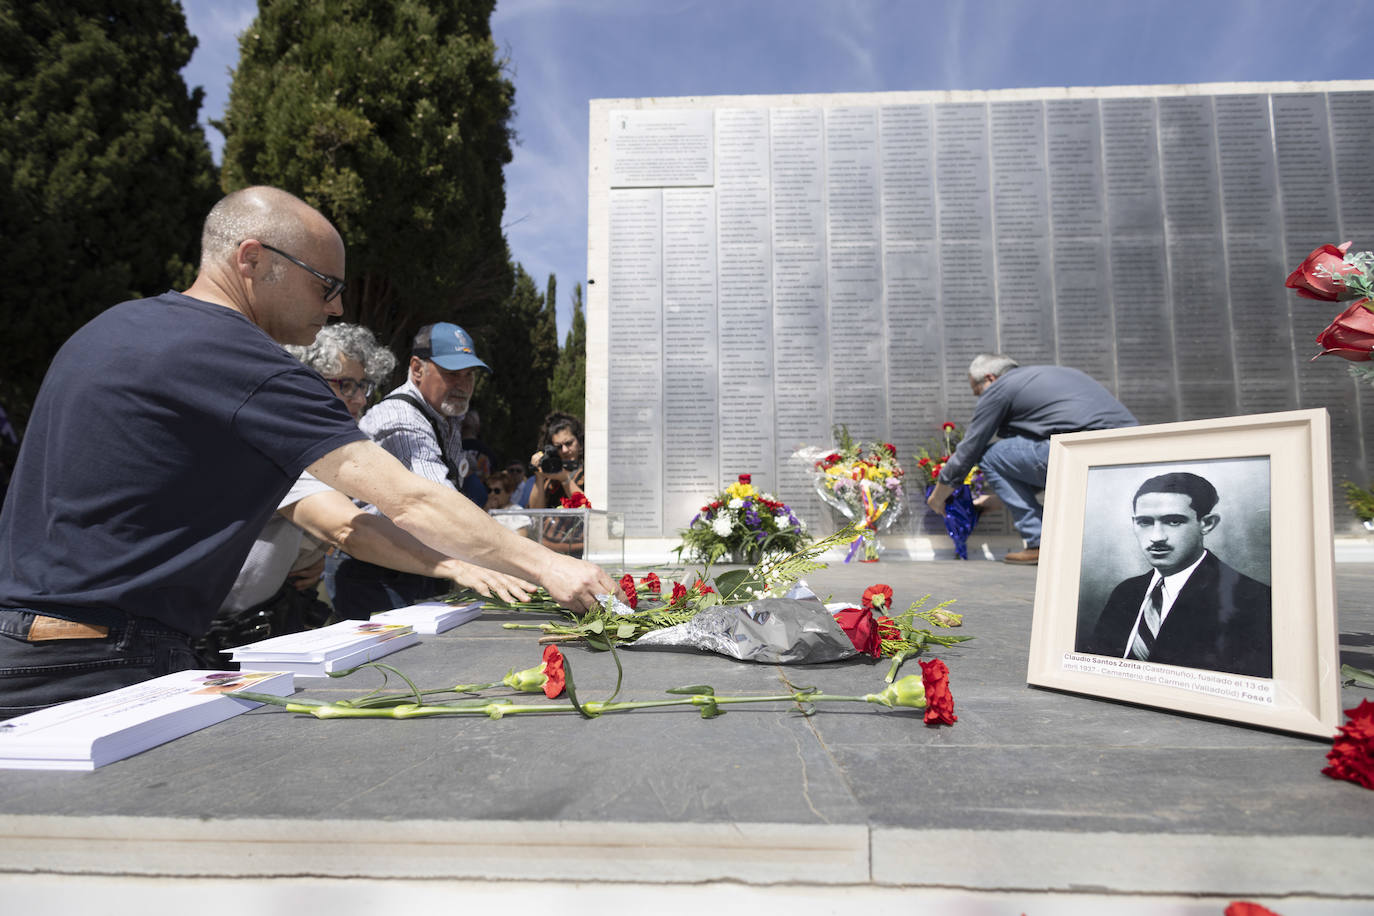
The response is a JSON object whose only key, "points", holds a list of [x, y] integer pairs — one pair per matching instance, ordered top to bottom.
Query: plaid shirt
{"points": [[397, 427]]}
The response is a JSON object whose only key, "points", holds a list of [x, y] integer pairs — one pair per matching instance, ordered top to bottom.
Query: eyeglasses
{"points": [[336, 286], [351, 387]]}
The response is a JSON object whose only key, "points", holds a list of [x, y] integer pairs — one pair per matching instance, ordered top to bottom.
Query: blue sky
{"points": [[563, 53]]}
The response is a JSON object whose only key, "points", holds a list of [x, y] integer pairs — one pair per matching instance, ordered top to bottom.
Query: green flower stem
{"points": [[897, 663], [393, 699], [500, 709]]}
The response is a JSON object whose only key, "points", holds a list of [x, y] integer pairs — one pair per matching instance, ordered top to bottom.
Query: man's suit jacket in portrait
{"points": [[1221, 621]]}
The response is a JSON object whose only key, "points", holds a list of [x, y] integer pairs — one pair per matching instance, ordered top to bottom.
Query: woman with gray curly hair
{"points": [[351, 361]]}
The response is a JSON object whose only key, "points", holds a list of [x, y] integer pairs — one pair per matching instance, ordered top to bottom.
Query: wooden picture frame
{"points": [[1270, 528]]}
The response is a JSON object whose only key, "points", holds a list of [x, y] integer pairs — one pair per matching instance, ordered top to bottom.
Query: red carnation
{"points": [[949, 427], [891, 449], [833, 457], [745, 478], [576, 501], [651, 581], [627, 585], [703, 588], [679, 592], [877, 597], [859, 626], [553, 669], [939, 701], [1352, 750]]}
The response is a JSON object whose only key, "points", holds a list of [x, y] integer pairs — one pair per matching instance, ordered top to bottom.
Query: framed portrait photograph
{"points": [[1188, 566]]}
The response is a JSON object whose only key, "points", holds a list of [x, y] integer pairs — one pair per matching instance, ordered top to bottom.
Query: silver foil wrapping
{"points": [[787, 631]]}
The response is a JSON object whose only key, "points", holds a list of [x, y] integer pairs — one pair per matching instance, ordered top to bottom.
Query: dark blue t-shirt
{"points": [[163, 437]]}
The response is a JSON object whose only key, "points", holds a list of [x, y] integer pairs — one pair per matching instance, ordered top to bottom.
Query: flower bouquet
{"points": [[864, 482], [960, 512], [742, 525]]}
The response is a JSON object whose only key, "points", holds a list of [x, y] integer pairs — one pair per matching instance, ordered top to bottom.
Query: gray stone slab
{"points": [[1021, 763]]}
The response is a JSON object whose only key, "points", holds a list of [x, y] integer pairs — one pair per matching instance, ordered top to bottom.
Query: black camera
{"points": [[552, 462]]}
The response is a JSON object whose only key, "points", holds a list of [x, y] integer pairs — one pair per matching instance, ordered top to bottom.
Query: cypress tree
{"points": [[392, 117], [105, 174], [568, 387], [515, 398]]}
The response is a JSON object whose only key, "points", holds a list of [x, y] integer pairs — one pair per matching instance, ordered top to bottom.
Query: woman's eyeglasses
{"points": [[352, 387]]}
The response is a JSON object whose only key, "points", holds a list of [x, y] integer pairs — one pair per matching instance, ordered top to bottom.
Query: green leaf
{"points": [[732, 583], [625, 631], [598, 641], [1353, 675], [703, 689], [571, 691], [709, 709]]}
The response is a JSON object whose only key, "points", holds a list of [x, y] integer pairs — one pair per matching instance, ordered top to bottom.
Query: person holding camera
{"points": [[559, 475]]}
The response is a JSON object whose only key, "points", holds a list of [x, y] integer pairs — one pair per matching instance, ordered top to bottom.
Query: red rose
{"points": [[1309, 281], [1351, 335], [890, 448], [833, 457], [923, 462], [745, 478], [576, 501], [651, 581], [627, 585], [679, 592], [859, 626], [553, 670], [939, 701], [1352, 750]]}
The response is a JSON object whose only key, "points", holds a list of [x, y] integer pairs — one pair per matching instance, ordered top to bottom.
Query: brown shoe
{"points": [[1028, 557]]}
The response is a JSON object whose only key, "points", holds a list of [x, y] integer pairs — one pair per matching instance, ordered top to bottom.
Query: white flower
{"points": [[736, 503], [782, 521], [721, 525]]}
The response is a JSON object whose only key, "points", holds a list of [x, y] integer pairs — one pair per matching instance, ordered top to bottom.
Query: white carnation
{"points": [[736, 503], [782, 521], [721, 525]]}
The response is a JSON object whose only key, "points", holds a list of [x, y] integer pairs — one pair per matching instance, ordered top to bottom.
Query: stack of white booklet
{"points": [[431, 617], [317, 653], [85, 734]]}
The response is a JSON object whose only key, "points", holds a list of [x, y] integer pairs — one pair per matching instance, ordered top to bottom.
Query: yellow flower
{"points": [[741, 490]]}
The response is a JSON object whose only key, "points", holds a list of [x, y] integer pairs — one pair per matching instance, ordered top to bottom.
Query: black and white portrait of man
{"points": [[1176, 565]]}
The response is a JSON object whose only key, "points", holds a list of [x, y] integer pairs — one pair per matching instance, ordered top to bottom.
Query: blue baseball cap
{"points": [[447, 346]]}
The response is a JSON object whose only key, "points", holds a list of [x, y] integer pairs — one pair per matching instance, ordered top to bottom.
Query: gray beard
{"points": [[452, 407]]}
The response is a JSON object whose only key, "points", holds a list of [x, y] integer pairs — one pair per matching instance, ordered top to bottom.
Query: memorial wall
{"points": [[762, 269]]}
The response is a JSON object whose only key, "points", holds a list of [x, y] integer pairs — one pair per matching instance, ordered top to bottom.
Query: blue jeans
{"points": [[1015, 469], [359, 589], [36, 675]]}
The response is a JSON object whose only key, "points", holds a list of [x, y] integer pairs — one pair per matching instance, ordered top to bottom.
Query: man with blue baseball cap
{"points": [[421, 424]]}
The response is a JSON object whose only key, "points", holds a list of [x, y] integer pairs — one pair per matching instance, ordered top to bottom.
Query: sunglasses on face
{"points": [[335, 286]]}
